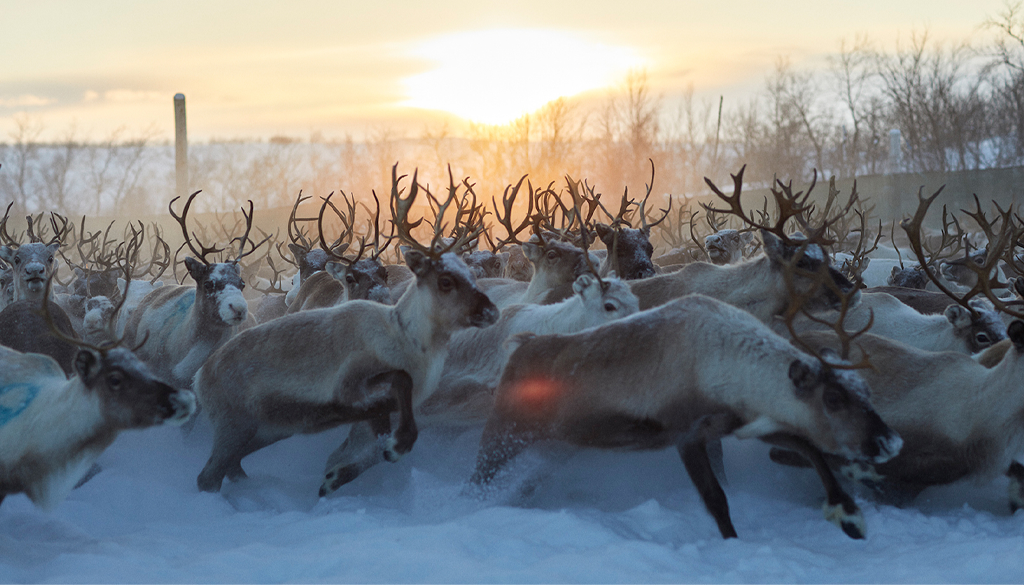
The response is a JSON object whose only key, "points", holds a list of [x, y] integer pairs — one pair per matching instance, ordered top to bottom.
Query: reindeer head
{"points": [[727, 246], [633, 250], [810, 261], [483, 263], [515, 264], [31, 265], [912, 277], [366, 279], [219, 285], [219, 289], [454, 297], [607, 299], [980, 328], [133, 396], [842, 420]]}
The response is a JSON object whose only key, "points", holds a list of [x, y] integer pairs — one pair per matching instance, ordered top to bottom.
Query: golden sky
{"points": [[255, 68]]}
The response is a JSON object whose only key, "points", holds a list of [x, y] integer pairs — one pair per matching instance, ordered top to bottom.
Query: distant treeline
{"points": [[957, 107]]}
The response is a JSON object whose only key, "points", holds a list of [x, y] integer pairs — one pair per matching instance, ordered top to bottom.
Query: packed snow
{"points": [[558, 515]]}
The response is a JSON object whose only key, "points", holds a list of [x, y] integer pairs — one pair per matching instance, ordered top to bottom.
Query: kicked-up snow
{"points": [[558, 515]]}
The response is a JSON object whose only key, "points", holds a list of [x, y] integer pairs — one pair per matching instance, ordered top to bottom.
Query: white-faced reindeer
{"points": [[183, 325], [361, 360], [684, 374], [465, 392], [52, 429]]}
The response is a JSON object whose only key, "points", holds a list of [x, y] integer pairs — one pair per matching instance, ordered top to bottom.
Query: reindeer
{"points": [[727, 246], [629, 249], [32, 263], [346, 279], [758, 285], [185, 324], [963, 329], [475, 359], [685, 373], [269, 383], [961, 418], [52, 429]]}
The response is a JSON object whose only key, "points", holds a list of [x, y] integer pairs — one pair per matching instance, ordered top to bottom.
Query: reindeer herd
{"points": [[753, 323]]}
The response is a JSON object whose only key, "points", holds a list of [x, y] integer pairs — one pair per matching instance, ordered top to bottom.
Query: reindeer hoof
{"points": [[392, 450], [337, 478], [208, 484], [848, 517]]}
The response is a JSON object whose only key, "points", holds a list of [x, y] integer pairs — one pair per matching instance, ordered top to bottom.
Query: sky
{"points": [[254, 69]]}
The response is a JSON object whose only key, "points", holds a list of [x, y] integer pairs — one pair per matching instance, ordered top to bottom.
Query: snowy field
{"points": [[590, 517]]}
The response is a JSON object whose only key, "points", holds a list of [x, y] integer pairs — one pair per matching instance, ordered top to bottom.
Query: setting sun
{"points": [[498, 75]]}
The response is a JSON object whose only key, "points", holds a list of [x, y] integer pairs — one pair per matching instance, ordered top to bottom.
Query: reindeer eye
{"points": [[552, 255], [17, 260], [49, 260], [350, 279], [445, 283], [208, 285], [609, 307], [981, 338], [114, 380], [834, 399]]}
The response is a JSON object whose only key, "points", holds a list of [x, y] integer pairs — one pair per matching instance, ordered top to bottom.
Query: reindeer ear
{"points": [[604, 232], [746, 238], [773, 247], [298, 251], [532, 252], [7, 254], [417, 262], [196, 268], [582, 283], [958, 316], [1016, 334], [87, 365], [804, 378]]}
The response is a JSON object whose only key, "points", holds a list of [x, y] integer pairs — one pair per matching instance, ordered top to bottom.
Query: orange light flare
{"points": [[536, 393]]}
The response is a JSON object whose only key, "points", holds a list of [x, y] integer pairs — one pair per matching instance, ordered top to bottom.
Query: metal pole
{"points": [[180, 147]]}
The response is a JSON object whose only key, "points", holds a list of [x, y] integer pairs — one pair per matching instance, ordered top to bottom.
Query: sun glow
{"points": [[495, 76]]}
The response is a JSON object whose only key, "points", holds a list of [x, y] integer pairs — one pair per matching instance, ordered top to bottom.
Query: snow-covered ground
{"points": [[560, 516]]}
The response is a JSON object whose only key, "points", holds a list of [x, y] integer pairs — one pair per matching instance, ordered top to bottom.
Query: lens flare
{"points": [[496, 76], [536, 392]]}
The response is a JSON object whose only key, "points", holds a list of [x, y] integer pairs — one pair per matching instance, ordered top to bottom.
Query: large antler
{"points": [[998, 242], [203, 250]]}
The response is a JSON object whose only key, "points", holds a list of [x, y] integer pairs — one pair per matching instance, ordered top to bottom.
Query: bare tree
{"points": [[20, 165], [59, 193]]}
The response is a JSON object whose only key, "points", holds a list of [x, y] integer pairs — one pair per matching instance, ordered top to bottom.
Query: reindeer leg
{"points": [[231, 436], [263, 438], [403, 438], [501, 442], [360, 451], [698, 466], [1016, 475], [839, 507]]}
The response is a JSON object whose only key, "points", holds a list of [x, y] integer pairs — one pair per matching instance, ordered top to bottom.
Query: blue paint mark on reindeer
{"points": [[14, 399]]}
